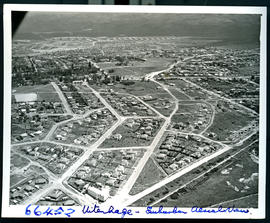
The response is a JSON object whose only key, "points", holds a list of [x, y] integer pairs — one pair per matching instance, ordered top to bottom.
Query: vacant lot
{"points": [[138, 69], [48, 88], [138, 88], [141, 88], [189, 89], [43, 92], [178, 94], [48, 97], [163, 103], [188, 108], [226, 122], [129, 135], [18, 161], [150, 175], [16, 178], [222, 182], [177, 183], [243, 202]]}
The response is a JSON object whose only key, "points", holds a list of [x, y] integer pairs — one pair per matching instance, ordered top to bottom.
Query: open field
{"points": [[138, 69], [228, 87], [48, 88], [138, 88], [141, 88], [192, 91], [44, 93], [178, 94], [49, 97], [163, 103], [192, 117], [228, 119], [227, 122], [134, 132], [18, 161], [17, 164], [150, 175], [188, 177], [15, 178], [236, 178], [250, 201]]}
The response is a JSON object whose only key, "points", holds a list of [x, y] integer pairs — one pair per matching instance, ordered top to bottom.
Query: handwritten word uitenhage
{"points": [[111, 210], [128, 211]]}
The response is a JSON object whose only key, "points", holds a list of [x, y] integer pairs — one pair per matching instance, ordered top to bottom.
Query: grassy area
{"points": [[138, 69], [249, 70], [224, 87], [48, 88], [139, 88], [190, 90], [44, 92], [179, 95], [48, 97], [163, 103], [187, 108], [187, 119], [226, 122], [129, 137], [19, 161], [150, 175], [16, 178], [215, 183], [175, 184], [243, 202]]}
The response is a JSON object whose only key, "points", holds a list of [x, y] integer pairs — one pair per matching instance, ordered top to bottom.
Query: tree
{"points": [[111, 70], [174, 196]]}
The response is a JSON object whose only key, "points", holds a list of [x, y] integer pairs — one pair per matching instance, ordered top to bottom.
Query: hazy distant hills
{"points": [[38, 25]]}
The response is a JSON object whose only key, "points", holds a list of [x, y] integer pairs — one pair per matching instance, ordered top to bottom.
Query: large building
{"points": [[99, 194]]}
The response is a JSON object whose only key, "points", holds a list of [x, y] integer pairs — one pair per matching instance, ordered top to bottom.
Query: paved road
{"points": [[62, 98], [212, 117], [132, 179], [131, 199]]}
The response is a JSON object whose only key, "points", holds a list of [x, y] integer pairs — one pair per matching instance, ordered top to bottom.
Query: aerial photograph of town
{"points": [[135, 109]]}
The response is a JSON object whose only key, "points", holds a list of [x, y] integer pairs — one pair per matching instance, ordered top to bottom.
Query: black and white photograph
{"points": [[134, 111]]}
